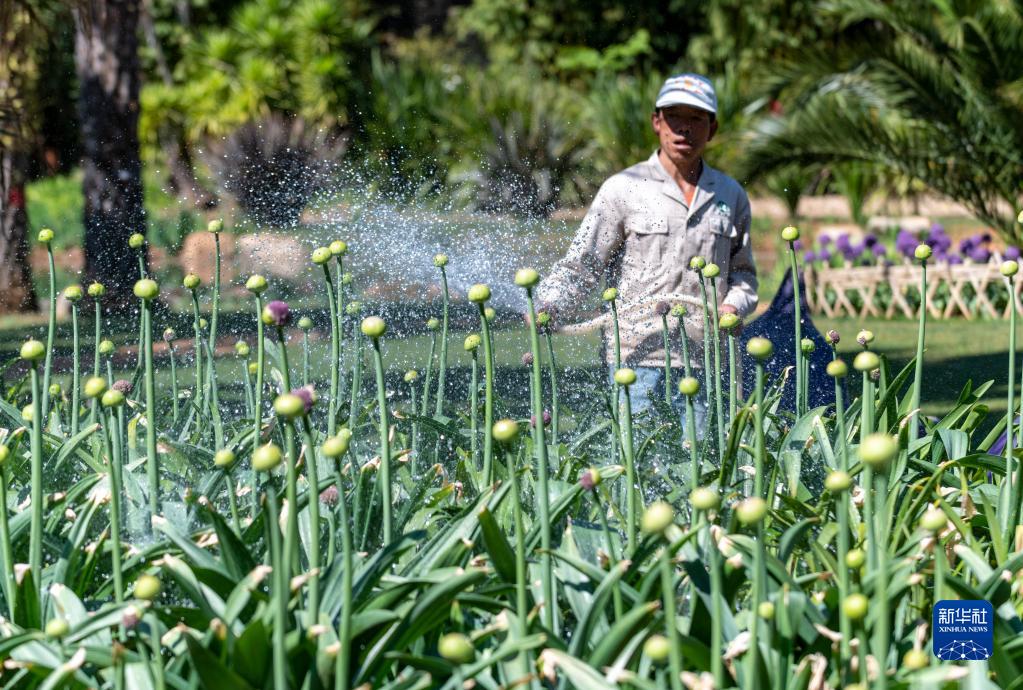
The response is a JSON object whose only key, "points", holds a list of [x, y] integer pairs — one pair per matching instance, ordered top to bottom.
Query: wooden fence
{"points": [[953, 290]]}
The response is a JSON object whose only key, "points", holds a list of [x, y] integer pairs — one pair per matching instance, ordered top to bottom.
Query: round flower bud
{"points": [[1019, 218], [215, 226], [790, 233], [45, 236], [136, 240], [338, 248], [922, 252], [321, 255], [440, 260], [697, 263], [1009, 268], [711, 271], [526, 277], [347, 278], [191, 281], [256, 284], [96, 289], [146, 289], [73, 293], [479, 293], [610, 294], [353, 308], [662, 308], [678, 311], [276, 313], [489, 314], [543, 318], [728, 321], [203, 323], [305, 323], [432, 323], [373, 327], [169, 334], [832, 337], [865, 337], [472, 341], [807, 346], [106, 347], [241, 348], [760, 348], [32, 350], [527, 359], [866, 361], [253, 368], [837, 369], [411, 375], [625, 376], [122, 385], [688, 386], [94, 387], [55, 390], [112, 398], [289, 406], [27, 413], [505, 430], [336, 446], [878, 449], [5, 453], [223, 458], [266, 458], [590, 479], [837, 481], [704, 498], [751, 510], [657, 517], [934, 520], [855, 558], [147, 587], [855, 606], [765, 610], [57, 628], [456, 648], [657, 648], [915, 659]]}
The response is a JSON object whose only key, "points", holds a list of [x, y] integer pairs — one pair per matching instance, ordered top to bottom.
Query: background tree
{"points": [[107, 64]]}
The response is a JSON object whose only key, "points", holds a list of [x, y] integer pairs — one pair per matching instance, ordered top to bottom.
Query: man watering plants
{"points": [[644, 227]]}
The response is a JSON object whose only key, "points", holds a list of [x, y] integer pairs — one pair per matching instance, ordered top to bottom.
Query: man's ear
{"points": [[655, 122], [713, 129]]}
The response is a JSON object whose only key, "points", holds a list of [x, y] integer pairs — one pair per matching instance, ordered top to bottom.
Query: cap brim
{"points": [[680, 97]]}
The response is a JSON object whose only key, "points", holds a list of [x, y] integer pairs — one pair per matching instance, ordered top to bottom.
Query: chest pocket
{"points": [[646, 224], [718, 236]]}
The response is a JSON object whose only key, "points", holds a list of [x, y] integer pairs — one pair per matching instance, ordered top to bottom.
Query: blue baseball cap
{"points": [[688, 89]]}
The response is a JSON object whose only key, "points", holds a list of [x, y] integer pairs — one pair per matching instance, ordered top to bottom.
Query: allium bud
{"points": [[662, 308], [276, 313], [832, 337], [527, 359], [122, 385], [590, 479]]}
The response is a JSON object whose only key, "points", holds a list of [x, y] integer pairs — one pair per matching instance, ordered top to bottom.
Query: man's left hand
{"points": [[730, 309]]}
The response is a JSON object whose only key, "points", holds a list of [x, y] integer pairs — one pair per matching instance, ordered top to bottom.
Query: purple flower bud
{"points": [[985, 238], [824, 240], [870, 240], [842, 243], [797, 245], [879, 250], [1012, 252], [824, 255], [980, 255], [809, 256], [955, 259], [662, 308], [277, 313], [833, 337], [527, 359], [122, 385], [307, 395], [546, 419], [588, 479], [329, 496]]}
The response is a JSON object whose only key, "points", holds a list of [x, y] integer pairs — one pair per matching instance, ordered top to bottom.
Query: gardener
{"points": [[641, 231]]}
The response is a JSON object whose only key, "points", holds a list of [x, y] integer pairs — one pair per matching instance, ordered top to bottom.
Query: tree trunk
{"points": [[106, 60], [17, 293]]}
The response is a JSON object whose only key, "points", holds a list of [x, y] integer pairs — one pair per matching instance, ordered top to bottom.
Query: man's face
{"points": [[683, 132]]}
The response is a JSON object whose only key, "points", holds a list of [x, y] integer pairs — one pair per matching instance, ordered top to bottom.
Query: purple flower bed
{"points": [[874, 250]]}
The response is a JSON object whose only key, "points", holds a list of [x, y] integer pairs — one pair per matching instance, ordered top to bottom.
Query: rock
{"points": [[272, 255], [198, 256]]}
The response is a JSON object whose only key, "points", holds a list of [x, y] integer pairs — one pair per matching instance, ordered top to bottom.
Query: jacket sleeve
{"points": [[578, 274], [742, 275]]}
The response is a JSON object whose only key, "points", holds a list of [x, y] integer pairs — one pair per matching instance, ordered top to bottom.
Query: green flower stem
{"points": [[215, 314], [142, 326], [51, 327], [340, 333], [716, 338], [335, 353], [95, 357], [305, 358], [667, 360], [442, 363], [356, 379], [174, 382], [708, 382], [733, 382], [800, 382], [76, 383], [199, 397], [488, 400], [425, 402], [250, 404], [257, 405], [474, 406], [1010, 412], [555, 417], [217, 424], [415, 425], [113, 443], [385, 444], [540, 448], [760, 453], [694, 457], [152, 461], [312, 476], [867, 478], [232, 501], [631, 508], [842, 508], [36, 524], [291, 545], [8, 551], [612, 552], [939, 569], [521, 577], [281, 590], [716, 595], [759, 595], [670, 616], [882, 631], [343, 671]]}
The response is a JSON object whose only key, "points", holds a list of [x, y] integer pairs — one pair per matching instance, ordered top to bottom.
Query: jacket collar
{"points": [[670, 188]]}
